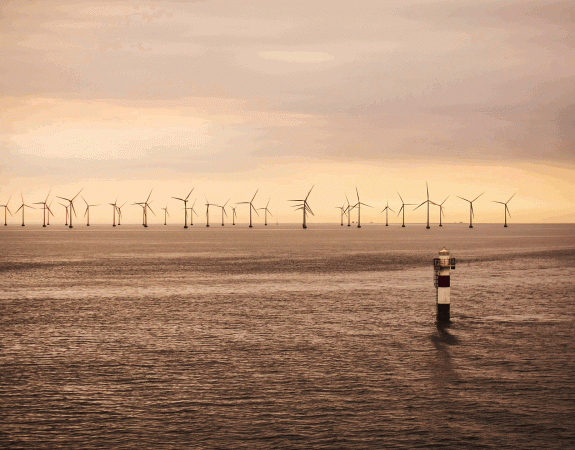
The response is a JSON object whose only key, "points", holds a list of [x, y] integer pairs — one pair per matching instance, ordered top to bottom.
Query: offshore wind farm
{"points": [[362, 289]]}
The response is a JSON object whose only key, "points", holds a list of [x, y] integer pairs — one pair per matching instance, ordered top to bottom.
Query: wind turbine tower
{"points": [[185, 200], [428, 202], [251, 203], [358, 204], [71, 205], [403, 205], [22, 207], [304, 207], [44, 208], [6, 209], [387, 209], [506, 209], [224, 211], [266, 211], [87, 212], [441, 213], [166, 214], [471, 214]]}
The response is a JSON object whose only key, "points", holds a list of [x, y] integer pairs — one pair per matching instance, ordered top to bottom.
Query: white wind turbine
{"points": [[185, 200], [428, 202], [251, 203], [358, 204], [403, 205], [5, 206], [22, 207], [304, 207], [45, 208], [72, 209], [387, 209], [506, 209], [224, 211], [266, 211], [87, 212], [441, 213], [471, 213], [166, 214], [234, 215]]}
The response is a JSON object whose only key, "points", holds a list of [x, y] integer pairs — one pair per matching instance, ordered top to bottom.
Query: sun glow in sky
{"points": [[119, 97]]}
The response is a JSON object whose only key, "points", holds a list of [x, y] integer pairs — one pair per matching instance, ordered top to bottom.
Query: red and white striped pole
{"points": [[442, 267]]}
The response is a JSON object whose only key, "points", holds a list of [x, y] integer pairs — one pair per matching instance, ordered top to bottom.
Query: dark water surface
{"points": [[279, 337]]}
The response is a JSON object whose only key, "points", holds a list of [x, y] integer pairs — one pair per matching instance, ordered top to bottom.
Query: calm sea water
{"points": [[278, 337]]}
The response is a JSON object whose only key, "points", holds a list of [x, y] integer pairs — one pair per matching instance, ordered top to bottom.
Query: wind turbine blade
{"points": [[427, 186], [51, 191], [309, 192], [357, 192], [77, 194], [255, 194], [149, 195], [188, 196], [478, 196], [400, 197], [178, 198], [511, 198], [67, 199], [84, 199], [464, 199], [444, 200], [495, 201], [226, 203], [267, 204], [420, 205], [21, 206], [150, 208], [255, 210], [391, 210], [400, 210], [85, 212], [269, 212], [472, 213]]}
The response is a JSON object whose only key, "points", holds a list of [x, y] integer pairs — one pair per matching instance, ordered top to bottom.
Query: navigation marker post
{"points": [[442, 267]]}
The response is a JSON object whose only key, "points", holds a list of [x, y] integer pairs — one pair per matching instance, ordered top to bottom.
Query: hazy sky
{"points": [[118, 97]]}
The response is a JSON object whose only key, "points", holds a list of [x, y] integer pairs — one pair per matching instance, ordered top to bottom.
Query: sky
{"points": [[227, 97]]}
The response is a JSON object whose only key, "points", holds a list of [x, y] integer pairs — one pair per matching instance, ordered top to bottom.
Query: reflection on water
{"points": [[327, 339]]}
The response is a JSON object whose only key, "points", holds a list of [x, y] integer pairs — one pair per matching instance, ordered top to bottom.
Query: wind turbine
{"points": [[185, 200], [428, 202], [251, 203], [208, 204], [358, 204], [71, 205], [403, 205], [66, 206], [115, 206], [145, 206], [22, 207], [45, 207], [304, 207], [119, 208], [6, 209], [387, 209], [506, 210], [224, 211], [266, 211], [343, 211], [348, 211], [87, 212], [192, 212], [441, 213], [166, 214], [233, 214], [471, 214], [48, 221]]}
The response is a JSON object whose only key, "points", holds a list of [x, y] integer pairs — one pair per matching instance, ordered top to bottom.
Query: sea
{"points": [[278, 337]]}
